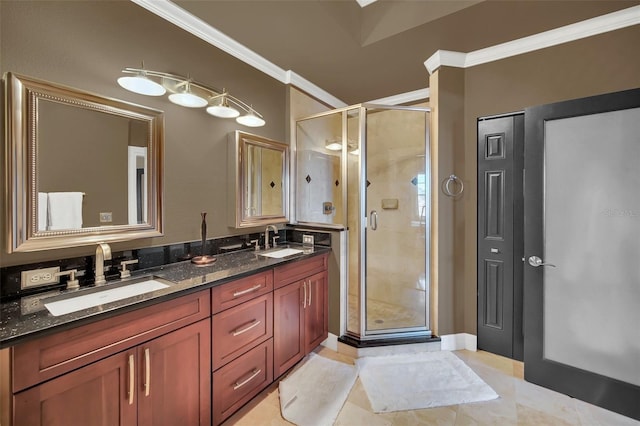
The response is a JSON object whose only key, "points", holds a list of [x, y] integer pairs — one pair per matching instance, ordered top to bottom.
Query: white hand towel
{"points": [[65, 210], [43, 211]]}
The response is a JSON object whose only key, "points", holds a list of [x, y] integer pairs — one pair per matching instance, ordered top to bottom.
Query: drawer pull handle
{"points": [[249, 290], [310, 292], [238, 332], [147, 372], [244, 382], [132, 388]]}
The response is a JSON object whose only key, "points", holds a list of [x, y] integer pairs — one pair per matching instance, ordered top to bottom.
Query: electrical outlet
{"points": [[106, 217], [307, 240], [39, 277]]}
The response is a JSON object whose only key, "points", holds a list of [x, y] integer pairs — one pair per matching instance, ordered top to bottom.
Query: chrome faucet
{"points": [[266, 235], [103, 252]]}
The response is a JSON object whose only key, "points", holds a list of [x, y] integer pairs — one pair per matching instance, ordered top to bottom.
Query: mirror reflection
{"points": [[81, 168], [93, 176], [264, 177]]}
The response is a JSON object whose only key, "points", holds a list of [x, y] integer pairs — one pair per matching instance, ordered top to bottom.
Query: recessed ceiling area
{"points": [[363, 53]]}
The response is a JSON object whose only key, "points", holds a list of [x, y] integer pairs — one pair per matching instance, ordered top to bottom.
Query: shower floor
{"points": [[382, 315]]}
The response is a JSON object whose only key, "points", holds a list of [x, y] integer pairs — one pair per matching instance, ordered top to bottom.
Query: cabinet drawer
{"points": [[292, 272], [233, 293], [238, 329], [50, 356], [239, 381]]}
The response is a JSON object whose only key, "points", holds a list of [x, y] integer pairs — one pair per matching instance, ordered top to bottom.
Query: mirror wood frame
{"points": [[239, 142], [21, 176]]}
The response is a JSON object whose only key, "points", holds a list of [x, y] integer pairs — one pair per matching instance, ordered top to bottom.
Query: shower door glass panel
{"points": [[319, 170], [397, 208], [592, 235], [354, 302]]}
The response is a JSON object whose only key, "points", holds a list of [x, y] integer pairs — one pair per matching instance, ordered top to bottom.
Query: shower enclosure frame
{"points": [[364, 334]]}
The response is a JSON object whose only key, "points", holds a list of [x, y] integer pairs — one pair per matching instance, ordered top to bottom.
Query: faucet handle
{"points": [[274, 238], [256, 244], [125, 273], [72, 282]]}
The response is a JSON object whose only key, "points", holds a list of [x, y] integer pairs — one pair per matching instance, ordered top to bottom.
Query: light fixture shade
{"points": [[141, 85], [188, 99], [223, 111], [250, 120], [333, 144]]}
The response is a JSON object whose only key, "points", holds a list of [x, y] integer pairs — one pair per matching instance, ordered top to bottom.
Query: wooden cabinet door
{"points": [[316, 311], [288, 327], [174, 386], [98, 394]]}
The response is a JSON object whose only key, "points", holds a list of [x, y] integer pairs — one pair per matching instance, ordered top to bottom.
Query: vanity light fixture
{"points": [[141, 84], [186, 92], [186, 98], [222, 108], [251, 119]]}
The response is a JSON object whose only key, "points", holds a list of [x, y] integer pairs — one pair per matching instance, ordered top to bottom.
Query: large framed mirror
{"points": [[80, 168], [259, 181]]}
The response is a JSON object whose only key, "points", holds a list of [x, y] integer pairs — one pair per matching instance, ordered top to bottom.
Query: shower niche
{"points": [[365, 169]]}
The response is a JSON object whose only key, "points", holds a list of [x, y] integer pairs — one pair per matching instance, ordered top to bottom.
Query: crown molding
{"points": [[364, 3], [176, 15], [587, 28], [445, 58], [291, 77], [403, 98]]}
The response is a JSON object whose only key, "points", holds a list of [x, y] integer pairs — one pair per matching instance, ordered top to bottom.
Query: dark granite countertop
{"points": [[27, 318]]}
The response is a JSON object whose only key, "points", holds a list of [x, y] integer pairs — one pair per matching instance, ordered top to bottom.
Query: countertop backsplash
{"points": [[148, 257]]}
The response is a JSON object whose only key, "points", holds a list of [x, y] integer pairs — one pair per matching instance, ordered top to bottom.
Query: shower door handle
{"points": [[373, 220]]}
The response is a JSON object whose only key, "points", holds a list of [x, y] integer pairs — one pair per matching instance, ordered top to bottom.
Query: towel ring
{"points": [[446, 186]]}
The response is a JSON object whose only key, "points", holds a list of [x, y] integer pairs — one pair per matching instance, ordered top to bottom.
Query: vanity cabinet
{"points": [[301, 312], [242, 329], [260, 332], [193, 360], [144, 367]]}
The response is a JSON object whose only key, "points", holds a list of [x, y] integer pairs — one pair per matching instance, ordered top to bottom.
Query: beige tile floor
{"points": [[520, 403]]}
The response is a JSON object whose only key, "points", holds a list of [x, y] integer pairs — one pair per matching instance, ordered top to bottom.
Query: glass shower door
{"points": [[395, 187]]}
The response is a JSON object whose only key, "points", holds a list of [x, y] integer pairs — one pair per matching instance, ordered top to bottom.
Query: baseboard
{"points": [[331, 342], [456, 342]]}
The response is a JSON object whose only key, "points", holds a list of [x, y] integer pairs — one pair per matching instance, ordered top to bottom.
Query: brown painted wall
{"points": [[86, 44], [587, 67], [447, 103]]}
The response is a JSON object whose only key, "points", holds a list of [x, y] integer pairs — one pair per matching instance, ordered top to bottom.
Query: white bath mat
{"points": [[421, 380], [314, 393]]}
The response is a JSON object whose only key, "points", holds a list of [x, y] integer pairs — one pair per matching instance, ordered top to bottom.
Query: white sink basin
{"points": [[279, 254], [68, 303]]}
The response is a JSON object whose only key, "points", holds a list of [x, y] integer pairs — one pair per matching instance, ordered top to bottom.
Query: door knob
{"points": [[535, 261]]}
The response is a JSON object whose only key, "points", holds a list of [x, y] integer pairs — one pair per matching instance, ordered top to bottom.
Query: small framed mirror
{"points": [[80, 168], [259, 180]]}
